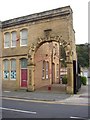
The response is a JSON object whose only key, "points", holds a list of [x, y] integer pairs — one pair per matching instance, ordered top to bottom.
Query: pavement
{"points": [[81, 98]]}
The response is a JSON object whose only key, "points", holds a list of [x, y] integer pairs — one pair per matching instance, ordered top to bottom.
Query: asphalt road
{"points": [[24, 109]]}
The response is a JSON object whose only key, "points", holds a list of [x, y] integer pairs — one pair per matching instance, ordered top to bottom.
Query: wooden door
{"points": [[23, 77]]}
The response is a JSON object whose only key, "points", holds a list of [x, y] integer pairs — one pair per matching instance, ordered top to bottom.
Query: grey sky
{"points": [[15, 8]]}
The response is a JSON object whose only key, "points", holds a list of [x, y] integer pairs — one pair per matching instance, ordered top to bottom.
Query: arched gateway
{"points": [[31, 45], [69, 60]]}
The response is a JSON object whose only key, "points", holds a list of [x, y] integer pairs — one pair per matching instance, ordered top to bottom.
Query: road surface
{"points": [[15, 108]]}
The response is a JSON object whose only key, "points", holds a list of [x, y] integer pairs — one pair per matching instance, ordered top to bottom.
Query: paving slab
{"points": [[80, 98]]}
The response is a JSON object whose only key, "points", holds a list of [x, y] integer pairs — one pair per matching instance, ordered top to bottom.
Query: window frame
{"points": [[21, 31], [6, 40], [13, 40], [22, 62], [11, 69], [7, 70], [45, 70], [57, 70]]}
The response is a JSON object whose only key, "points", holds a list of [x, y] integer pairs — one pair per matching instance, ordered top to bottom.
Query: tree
{"points": [[83, 55], [63, 56]]}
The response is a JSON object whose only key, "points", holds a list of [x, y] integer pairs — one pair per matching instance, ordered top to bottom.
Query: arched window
{"points": [[23, 37], [14, 39], [7, 40], [23, 63], [5, 69], [13, 69]]}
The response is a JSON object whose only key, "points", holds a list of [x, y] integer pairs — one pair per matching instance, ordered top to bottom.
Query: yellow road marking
{"points": [[25, 100], [49, 102]]}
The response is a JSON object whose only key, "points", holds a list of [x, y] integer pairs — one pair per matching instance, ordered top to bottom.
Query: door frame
{"points": [[20, 73], [21, 77]]}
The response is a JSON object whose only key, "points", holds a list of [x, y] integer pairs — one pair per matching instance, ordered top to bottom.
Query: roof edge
{"points": [[37, 16]]}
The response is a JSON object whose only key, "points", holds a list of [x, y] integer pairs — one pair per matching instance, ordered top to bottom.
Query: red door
{"points": [[23, 77]]}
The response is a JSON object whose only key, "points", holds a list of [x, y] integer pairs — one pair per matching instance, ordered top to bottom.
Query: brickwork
{"points": [[42, 54]]}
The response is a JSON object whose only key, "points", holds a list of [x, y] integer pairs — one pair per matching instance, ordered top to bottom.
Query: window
{"points": [[23, 37], [14, 38], [7, 40], [24, 63], [5, 69], [13, 69], [45, 70], [57, 71]]}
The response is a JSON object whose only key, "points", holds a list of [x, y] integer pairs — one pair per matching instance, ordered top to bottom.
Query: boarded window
{"points": [[5, 69], [13, 69]]}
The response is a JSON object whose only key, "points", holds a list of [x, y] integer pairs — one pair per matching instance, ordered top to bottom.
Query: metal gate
{"points": [[77, 77]]}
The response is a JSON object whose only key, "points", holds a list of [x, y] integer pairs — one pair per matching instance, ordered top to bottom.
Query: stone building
{"points": [[31, 49], [0, 57]]}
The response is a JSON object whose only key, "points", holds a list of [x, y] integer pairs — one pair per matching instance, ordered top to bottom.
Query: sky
{"points": [[16, 8]]}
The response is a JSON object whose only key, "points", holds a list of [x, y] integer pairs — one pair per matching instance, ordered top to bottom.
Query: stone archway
{"points": [[69, 59]]}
